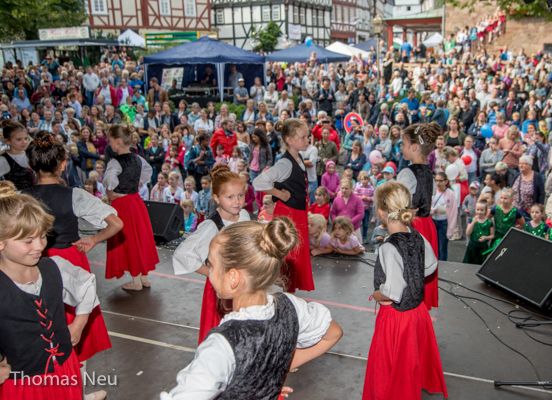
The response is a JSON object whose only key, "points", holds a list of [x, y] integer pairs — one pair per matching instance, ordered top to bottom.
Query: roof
{"points": [[23, 44], [204, 51], [302, 52]]}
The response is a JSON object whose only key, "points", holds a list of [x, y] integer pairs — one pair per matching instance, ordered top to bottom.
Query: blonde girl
{"points": [[319, 239], [343, 240]]}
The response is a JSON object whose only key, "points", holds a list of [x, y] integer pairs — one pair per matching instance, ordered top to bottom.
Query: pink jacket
{"points": [[331, 182], [354, 209]]}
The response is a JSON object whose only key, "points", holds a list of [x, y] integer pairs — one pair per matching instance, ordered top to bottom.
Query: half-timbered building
{"points": [[235, 20]]}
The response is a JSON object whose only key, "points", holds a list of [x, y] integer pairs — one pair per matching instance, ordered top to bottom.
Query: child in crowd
{"points": [[237, 155], [220, 158], [173, 160], [241, 166], [166, 168], [349, 174], [387, 174], [330, 179], [99, 185], [91, 186], [158, 191], [365, 191], [189, 192], [173, 193], [249, 193], [321, 203], [347, 204], [468, 205], [205, 206], [267, 212], [505, 215], [190, 217], [537, 226], [480, 232], [378, 236], [319, 239], [343, 240], [33, 290], [288, 328], [404, 357]]}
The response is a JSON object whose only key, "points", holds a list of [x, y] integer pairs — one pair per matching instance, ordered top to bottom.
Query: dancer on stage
{"points": [[418, 143], [47, 157], [14, 164], [287, 182], [228, 192], [133, 248], [34, 337], [249, 354], [404, 356]]}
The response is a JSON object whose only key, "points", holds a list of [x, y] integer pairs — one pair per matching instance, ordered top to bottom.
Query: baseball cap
{"points": [[388, 170], [474, 185]]}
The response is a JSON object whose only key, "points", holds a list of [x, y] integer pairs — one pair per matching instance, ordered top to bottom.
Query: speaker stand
{"points": [[523, 383]]}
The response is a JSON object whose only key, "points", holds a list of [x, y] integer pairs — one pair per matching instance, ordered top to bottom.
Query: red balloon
{"points": [[467, 159], [392, 165]]}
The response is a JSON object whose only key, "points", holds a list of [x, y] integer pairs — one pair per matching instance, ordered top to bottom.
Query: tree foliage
{"points": [[514, 8], [21, 19], [267, 38]]}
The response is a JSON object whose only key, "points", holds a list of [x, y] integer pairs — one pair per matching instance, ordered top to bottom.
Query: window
{"points": [[99, 7], [165, 7], [190, 8], [276, 12], [265, 13], [295, 14], [219, 16], [302, 16]]}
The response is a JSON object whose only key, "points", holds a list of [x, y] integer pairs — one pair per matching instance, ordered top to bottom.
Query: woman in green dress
{"points": [[537, 226], [480, 232]]}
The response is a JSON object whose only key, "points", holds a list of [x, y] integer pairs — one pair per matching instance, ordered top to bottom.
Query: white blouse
{"points": [[114, 169], [279, 172], [90, 208], [193, 251], [393, 267], [79, 286], [208, 375]]}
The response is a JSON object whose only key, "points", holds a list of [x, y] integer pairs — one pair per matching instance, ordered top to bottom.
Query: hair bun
{"points": [[279, 126], [44, 140], [7, 189], [406, 216], [279, 237]]}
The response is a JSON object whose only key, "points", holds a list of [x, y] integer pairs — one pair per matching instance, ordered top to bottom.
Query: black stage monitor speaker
{"points": [[166, 220], [521, 265]]}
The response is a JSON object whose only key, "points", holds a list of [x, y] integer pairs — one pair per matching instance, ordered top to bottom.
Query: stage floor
{"points": [[154, 335]]}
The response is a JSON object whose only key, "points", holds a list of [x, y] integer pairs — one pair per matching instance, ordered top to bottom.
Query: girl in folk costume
{"points": [[418, 142], [47, 158], [14, 164], [287, 181], [228, 192], [132, 249], [244, 262], [35, 340], [404, 356]]}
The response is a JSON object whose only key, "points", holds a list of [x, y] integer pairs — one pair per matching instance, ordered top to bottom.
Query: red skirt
{"points": [[464, 190], [426, 227], [132, 249], [298, 268], [210, 317], [94, 336], [404, 357], [64, 383]]}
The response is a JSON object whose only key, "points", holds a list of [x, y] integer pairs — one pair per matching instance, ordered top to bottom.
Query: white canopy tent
{"points": [[131, 38], [434, 40], [342, 48]]}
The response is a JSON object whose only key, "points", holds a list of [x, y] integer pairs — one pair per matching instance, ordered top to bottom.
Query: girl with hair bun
{"points": [[418, 143], [48, 158], [14, 164], [287, 182], [228, 192], [132, 249], [35, 340], [404, 356], [232, 363]]}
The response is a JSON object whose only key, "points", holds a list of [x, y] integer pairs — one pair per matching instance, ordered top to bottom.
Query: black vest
{"points": [[21, 177], [129, 179], [296, 184], [424, 189], [58, 200], [217, 219], [411, 247], [33, 329], [263, 351]]}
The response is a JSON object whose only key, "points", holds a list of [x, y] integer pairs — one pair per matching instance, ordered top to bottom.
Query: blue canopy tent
{"points": [[367, 45], [302, 53], [202, 54]]}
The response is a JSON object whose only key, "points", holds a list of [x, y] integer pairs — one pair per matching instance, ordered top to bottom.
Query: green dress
{"points": [[504, 221], [541, 230], [476, 249]]}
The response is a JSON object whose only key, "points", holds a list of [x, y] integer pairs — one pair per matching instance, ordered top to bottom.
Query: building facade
{"points": [[149, 15], [236, 20]]}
